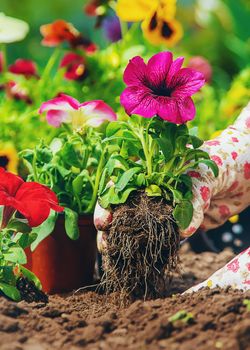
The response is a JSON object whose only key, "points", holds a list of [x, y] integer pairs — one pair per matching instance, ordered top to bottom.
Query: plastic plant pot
{"points": [[62, 264]]}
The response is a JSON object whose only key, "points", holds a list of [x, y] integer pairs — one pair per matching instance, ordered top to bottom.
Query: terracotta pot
{"points": [[62, 264]]}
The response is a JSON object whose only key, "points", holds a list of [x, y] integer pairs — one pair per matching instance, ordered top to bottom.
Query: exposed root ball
{"points": [[142, 248]]}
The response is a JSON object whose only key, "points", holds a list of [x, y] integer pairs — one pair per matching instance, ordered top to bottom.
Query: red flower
{"points": [[60, 31], [57, 32], [75, 66], [25, 67], [234, 155], [217, 160], [247, 171], [205, 193], [31, 199], [233, 265]]}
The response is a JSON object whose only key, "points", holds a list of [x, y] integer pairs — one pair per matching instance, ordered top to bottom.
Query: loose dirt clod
{"points": [[142, 248], [29, 292]]}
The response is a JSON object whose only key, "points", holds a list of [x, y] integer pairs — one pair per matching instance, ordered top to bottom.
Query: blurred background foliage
{"points": [[218, 30]]}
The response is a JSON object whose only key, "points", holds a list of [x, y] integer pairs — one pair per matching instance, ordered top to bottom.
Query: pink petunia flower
{"points": [[161, 87], [66, 109]]}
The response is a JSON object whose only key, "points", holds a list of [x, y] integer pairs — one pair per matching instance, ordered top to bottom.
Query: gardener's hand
{"points": [[217, 199], [102, 220], [235, 274]]}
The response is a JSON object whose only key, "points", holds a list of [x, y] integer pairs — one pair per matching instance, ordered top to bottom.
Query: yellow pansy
{"points": [[159, 25], [158, 31], [8, 158]]}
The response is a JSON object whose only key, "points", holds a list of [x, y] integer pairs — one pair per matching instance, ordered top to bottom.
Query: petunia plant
{"points": [[156, 149], [71, 165], [23, 205]]}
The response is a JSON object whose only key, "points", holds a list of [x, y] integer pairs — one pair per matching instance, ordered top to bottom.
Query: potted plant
{"points": [[146, 185], [23, 206], [63, 255]]}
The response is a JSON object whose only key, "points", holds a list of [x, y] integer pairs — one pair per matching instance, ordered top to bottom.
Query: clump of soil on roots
{"points": [[142, 248]]}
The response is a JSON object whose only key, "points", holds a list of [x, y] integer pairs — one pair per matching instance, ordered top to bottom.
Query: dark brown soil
{"points": [[142, 248], [90, 321]]}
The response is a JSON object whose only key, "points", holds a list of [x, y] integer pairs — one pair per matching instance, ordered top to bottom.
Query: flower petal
{"points": [[135, 10], [158, 67], [175, 67], [135, 71], [186, 82], [139, 101], [63, 102], [176, 111], [97, 112], [56, 117], [9, 183], [34, 201]]}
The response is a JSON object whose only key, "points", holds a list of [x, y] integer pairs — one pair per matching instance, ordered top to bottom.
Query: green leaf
{"points": [[114, 127], [196, 142], [166, 147], [196, 154], [70, 155], [212, 165], [126, 177], [103, 180], [140, 180], [77, 183], [153, 191], [176, 194], [122, 197], [183, 213], [71, 223], [19, 225], [44, 230], [25, 240], [15, 254], [31, 276], [10, 291], [183, 316]]}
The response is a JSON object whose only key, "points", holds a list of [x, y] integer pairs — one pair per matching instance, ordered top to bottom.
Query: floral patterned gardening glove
{"points": [[215, 199], [218, 199]]}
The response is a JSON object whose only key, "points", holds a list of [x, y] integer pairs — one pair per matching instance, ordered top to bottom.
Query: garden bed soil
{"points": [[86, 320]]}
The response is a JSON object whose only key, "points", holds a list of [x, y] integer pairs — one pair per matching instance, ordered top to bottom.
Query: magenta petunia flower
{"points": [[161, 87], [66, 109]]}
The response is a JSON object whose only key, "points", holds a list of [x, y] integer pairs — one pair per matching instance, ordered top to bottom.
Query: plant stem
{"points": [[4, 58], [49, 66], [34, 167], [92, 203]]}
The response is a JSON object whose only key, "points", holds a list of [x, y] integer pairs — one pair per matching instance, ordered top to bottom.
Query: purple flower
{"points": [[112, 28], [161, 87], [66, 109]]}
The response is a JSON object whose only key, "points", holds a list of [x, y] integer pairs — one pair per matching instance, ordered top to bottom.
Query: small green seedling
{"points": [[247, 303], [182, 315]]}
